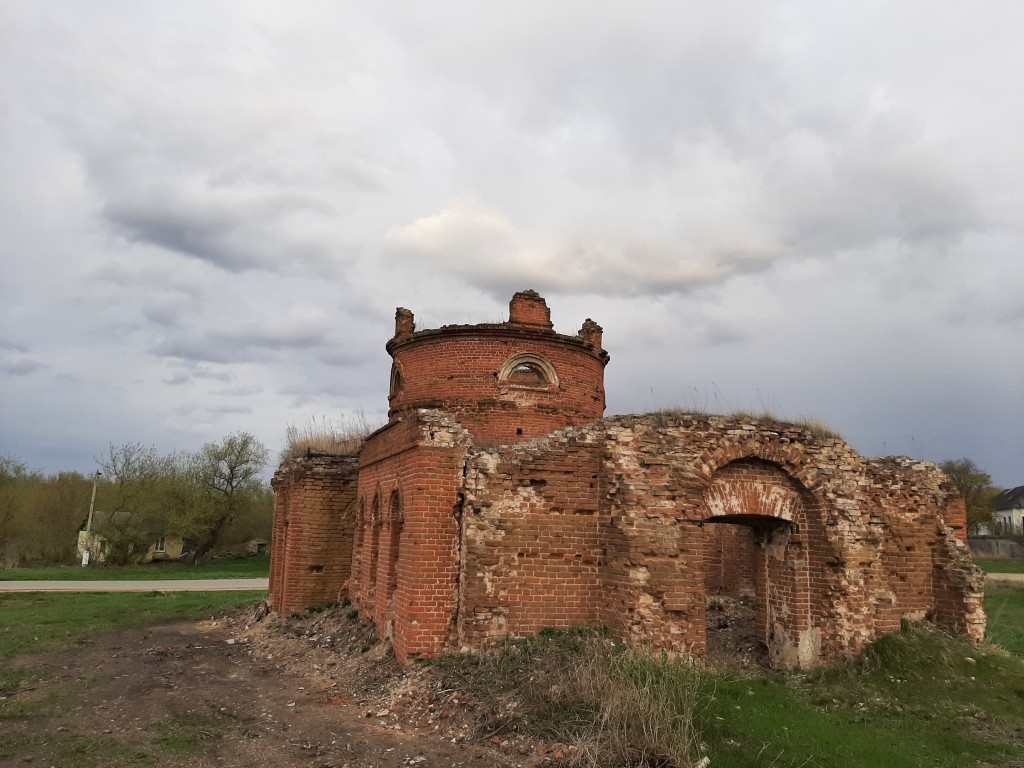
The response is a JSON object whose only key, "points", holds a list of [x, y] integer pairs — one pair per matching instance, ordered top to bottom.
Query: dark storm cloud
{"points": [[231, 236], [243, 344], [12, 346], [22, 366], [176, 379]]}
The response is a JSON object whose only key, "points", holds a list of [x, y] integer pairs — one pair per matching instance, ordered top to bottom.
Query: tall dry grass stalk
{"points": [[338, 437], [615, 705], [646, 710]]}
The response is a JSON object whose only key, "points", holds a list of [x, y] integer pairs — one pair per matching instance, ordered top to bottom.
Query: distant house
{"points": [[1008, 511], [93, 543], [252, 546], [257, 546]]}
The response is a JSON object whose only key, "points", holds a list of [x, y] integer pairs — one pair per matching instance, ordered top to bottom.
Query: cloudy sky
{"points": [[210, 210]]}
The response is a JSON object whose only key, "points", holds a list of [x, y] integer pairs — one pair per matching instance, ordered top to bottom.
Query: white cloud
{"points": [[771, 202]]}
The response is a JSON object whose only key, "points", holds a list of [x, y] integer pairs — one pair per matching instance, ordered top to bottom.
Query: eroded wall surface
{"points": [[631, 521], [311, 549], [406, 549]]}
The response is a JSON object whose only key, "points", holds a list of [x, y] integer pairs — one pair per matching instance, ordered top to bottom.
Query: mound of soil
{"points": [[318, 690]]}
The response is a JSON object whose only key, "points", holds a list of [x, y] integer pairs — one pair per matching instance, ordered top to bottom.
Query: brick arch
{"points": [[537, 362], [397, 380], [789, 457], [753, 488], [395, 505], [359, 537], [373, 551], [775, 551], [389, 560]]}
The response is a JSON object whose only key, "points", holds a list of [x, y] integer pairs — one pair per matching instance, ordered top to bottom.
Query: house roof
{"points": [[1011, 499]]}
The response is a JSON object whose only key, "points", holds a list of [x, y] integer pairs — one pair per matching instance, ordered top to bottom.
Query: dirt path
{"points": [[217, 693]]}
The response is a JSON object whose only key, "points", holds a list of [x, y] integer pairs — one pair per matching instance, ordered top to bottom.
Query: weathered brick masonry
{"points": [[497, 502], [314, 513]]}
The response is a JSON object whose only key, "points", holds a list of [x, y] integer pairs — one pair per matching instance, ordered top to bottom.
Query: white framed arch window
{"points": [[529, 371]]}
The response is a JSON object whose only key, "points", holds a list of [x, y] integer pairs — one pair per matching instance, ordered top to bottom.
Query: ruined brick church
{"points": [[498, 501]]}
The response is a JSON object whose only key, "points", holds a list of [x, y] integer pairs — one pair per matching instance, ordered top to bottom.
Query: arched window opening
{"points": [[529, 371], [527, 375], [396, 379], [395, 520], [375, 524]]}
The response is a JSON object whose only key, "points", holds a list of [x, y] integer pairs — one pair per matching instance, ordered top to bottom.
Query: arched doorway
{"points": [[757, 567]]}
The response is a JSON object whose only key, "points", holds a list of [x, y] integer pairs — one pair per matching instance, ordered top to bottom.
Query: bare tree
{"points": [[215, 487], [131, 512]]}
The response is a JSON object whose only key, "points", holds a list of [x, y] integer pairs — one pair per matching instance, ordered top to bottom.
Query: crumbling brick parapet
{"points": [[498, 501]]}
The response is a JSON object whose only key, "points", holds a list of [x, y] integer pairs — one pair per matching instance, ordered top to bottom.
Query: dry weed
{"points": [[337, 437]]}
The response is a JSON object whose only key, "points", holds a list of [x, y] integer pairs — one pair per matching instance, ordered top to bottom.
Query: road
{"points": [[1012, 578], [141, 585], [208, 585]]}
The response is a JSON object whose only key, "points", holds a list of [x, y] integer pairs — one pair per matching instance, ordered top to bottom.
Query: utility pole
{"points": [[92, 502], [88, 523]]}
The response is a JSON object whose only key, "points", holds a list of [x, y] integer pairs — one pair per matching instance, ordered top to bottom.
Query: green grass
{"points": [[997, 565], [252, 567], [1004, 604], [33, 622], [37, 622], [18, 697], [916, 698], [186, 734], [74, 749]]}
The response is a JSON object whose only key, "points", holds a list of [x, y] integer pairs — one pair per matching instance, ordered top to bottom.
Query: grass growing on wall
{"points": [[669, 415], [338, 437]]}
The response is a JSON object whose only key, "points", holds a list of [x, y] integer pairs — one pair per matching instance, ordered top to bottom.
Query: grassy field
{"points": [[995, 565], [250, 567], [1004, 604], [33, 622], [916, 698], [913, 699]]}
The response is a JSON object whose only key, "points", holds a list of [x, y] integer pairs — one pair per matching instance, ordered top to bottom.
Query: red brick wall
{"points": [[528, 308], [460, 370], [630, 522], [835, 548], [311, 549], [532, 558], [729, 560], [406, 562]]}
